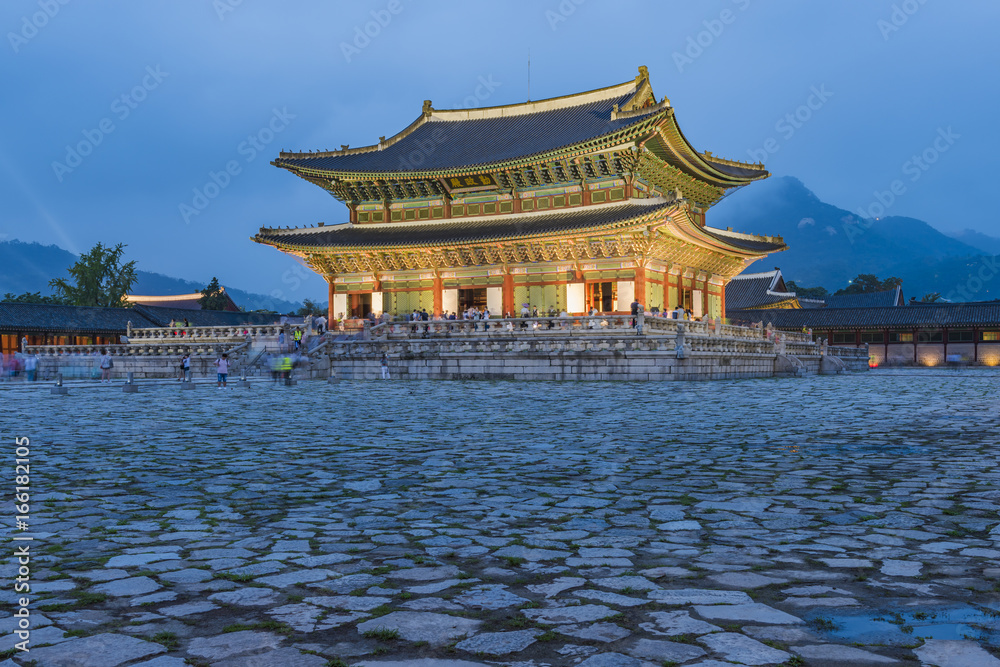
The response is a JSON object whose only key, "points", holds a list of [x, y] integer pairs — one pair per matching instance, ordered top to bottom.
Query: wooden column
{"points": [[640, 285], [437, 289], [508, 296], [722, 298], [329, 307], [975, 345]]}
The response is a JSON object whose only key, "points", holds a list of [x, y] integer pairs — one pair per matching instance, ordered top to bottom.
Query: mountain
{"points": [[987, 244], [828, 245], [28, 267]]}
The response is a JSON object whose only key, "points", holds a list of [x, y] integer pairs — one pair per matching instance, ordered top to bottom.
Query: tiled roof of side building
{"points": [[440, 140], [482, 228], [891, 297], [928, 316], [48, 318], [202, 318]]}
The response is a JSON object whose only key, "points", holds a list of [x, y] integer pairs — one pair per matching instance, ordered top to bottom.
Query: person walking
{"points": [[635, 312], [297, 337], [106, 365], [30, 366], [186, 367], [385, 367], [222, 370]]}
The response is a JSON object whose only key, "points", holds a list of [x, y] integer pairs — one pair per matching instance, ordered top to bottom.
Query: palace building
{"points": [[585, 201]]}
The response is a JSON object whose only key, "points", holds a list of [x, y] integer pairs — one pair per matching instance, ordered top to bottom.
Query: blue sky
{"points": [[164, 93]]}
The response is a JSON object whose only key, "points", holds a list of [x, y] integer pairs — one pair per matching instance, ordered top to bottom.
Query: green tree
{"points": [[100, 279], [869, 282], [806, 292], [30, 297], [213, 297], [931, 298], [309, 307]]}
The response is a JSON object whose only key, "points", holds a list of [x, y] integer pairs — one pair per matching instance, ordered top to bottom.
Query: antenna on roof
{"points": [[529, 73]]}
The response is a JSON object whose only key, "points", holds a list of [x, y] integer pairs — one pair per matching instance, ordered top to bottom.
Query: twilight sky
{"points": [[117, 112]]}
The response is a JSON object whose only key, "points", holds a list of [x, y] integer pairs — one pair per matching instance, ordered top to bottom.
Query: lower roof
{"points": [[487, 228]]}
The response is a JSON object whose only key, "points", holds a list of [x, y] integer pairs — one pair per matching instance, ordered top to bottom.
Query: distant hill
{"points": [[987, 244], [829, 245], [28, 267]]}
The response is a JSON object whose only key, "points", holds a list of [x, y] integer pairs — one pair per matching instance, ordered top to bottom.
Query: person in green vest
{"points": [[297, 337], [286, 368]]}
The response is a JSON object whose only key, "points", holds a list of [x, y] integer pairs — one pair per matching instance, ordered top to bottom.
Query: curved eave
{"points": [[624, 135], [692, 161], [615, 226], [752, 248]]}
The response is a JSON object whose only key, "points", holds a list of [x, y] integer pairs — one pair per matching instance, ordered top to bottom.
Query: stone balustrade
{"points": [[577, 326], [197, 335]]}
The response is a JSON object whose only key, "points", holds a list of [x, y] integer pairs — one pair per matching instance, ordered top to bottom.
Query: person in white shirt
{"points": [[222, 369]]}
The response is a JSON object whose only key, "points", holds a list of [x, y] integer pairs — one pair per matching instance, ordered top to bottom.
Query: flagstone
{"points": [[415, 626], [499, 643], [742, 649], [101, 650]]}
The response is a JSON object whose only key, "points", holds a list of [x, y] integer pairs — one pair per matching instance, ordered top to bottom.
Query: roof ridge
{"points": [[429, 114]]}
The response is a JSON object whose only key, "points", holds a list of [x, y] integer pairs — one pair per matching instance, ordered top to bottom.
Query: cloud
{"points": [[806, 222], [830, 230]]}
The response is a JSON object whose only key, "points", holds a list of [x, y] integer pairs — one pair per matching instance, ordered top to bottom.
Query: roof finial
{"points": [[643, 74], [427, 107]]}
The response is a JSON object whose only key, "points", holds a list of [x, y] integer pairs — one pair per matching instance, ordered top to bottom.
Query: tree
{"points": [[101, 279], [869, 282], [806, 292], [30, 297], [213, 297], [931, 298], [310, 308]]}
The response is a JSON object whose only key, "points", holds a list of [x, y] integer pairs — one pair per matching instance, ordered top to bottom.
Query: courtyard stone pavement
{"points": [[847, 520]]}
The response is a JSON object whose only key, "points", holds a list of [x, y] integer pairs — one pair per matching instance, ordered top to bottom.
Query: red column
{"points": [[640, 286], [508, 296], [438, 297], [722, 297], [329, 307]]}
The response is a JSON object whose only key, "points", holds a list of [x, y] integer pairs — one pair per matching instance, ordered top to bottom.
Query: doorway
{"points": [[602, 296], [471, 298], [361, 305]]}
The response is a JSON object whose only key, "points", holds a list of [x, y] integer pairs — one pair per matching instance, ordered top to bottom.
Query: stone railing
{"points": [[575, 325], [195, 335], [529, 345], [181, 346]]}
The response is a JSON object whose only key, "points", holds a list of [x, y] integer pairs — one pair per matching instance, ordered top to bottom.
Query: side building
{"points": [[588, 201]]}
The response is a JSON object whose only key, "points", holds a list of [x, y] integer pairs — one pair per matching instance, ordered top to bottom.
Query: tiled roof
{"points": [[446, 140], [481, 228], [458, 230], [745, 241], [755, 290], [891, 297], [927, 316], [47, 318], [203, 318]]}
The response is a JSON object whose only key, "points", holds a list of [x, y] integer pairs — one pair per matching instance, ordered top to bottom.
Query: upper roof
{"points": [[448, 139], [488, 228], [758, 290], [892, 297], [927, 316]]}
